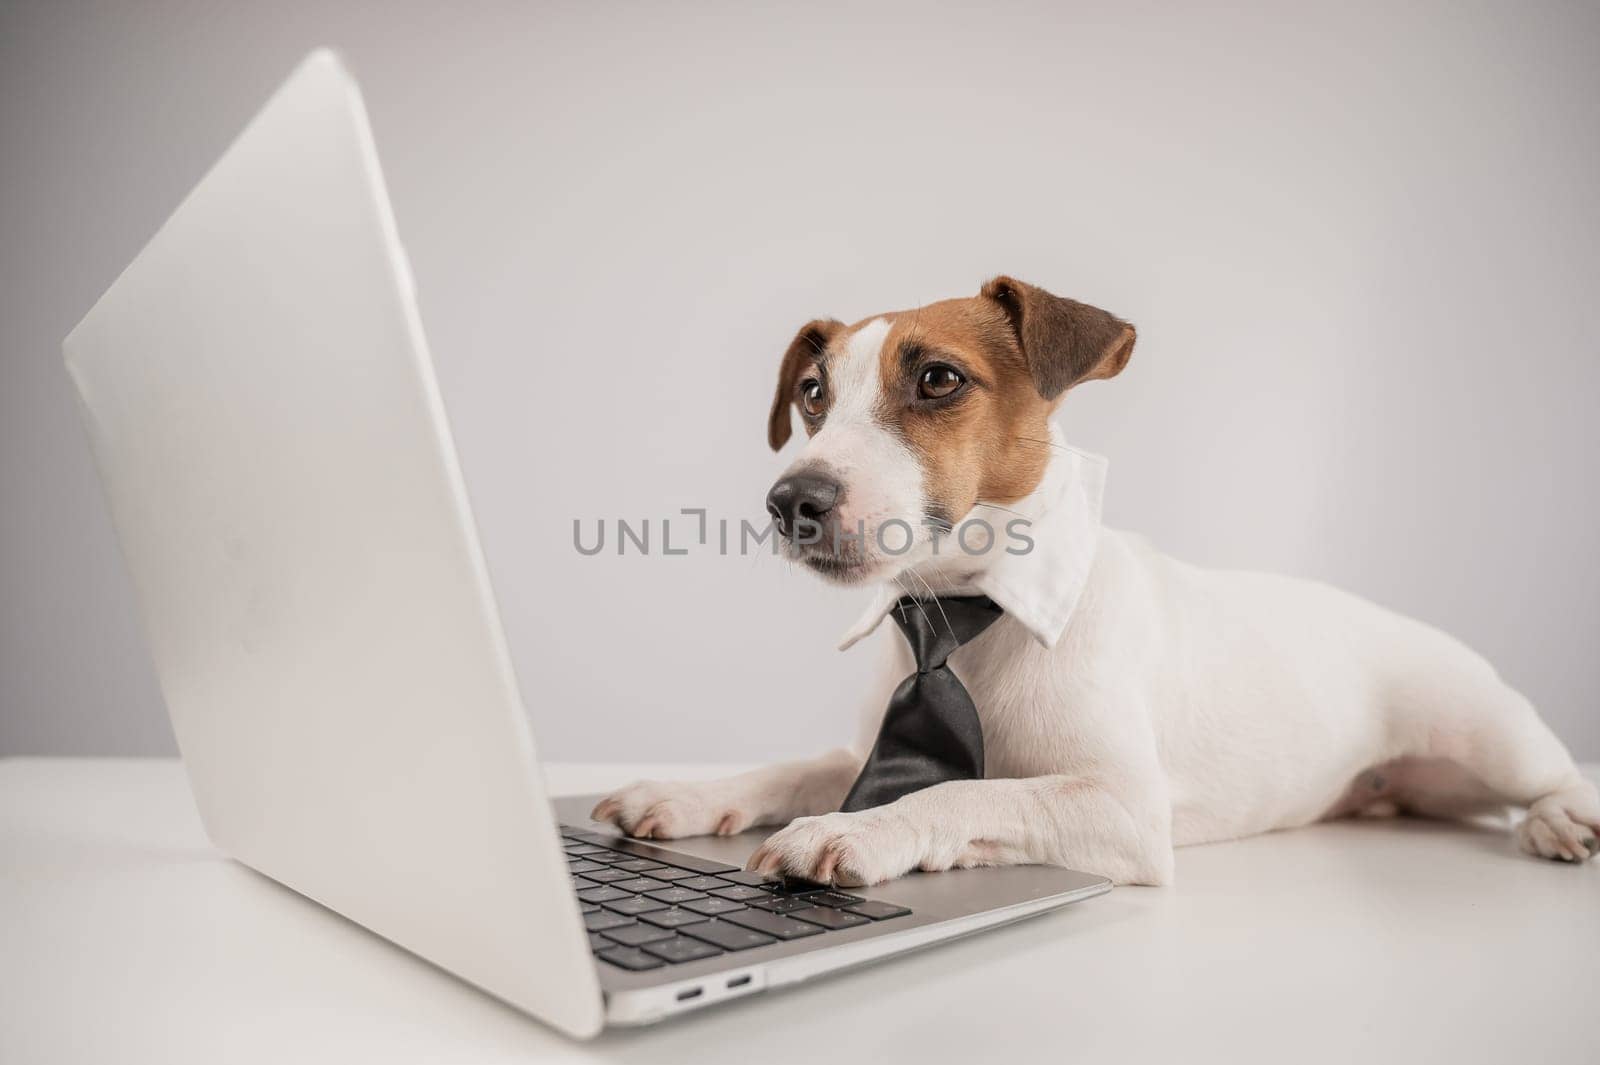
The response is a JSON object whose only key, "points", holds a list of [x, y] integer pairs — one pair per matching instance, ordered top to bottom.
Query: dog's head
{"points": [[916, 417]]}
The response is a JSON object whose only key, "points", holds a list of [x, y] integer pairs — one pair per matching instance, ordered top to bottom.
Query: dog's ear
{"points": [[1064, 341], [807, 344]]}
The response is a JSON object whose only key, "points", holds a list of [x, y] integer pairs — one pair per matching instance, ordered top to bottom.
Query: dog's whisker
{"points": [[1041, 443], [997, 506], [755, 556], [935, 597], [916, 599], [900, 604]]}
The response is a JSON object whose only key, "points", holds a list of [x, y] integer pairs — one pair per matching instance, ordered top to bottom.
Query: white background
{"points": [[1361, 246]]}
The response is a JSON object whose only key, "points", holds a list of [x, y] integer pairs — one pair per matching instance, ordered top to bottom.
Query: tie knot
{"points": [[936, 627]]}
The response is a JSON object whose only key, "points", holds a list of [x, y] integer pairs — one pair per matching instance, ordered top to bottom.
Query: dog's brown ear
{"points": [[1064, 341], [807, 344]]}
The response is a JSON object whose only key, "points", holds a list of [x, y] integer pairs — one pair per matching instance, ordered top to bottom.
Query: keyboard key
{"points": [[580, 850], [637, 865], [583, 867], [673, 874], [606, 876], [749, 879], [704, 883], [639, 885], [794, 885], [740, 893], [602, 894], [676, 894], [832, 898], [782, 903], [634, 905], [588, 907], [713, 907], [878, 911], [828, 917], [673, 918], [599, 922], [772, 924], [637, 935], [727, 936], [599, 942], [681, 949], [630, 958]]}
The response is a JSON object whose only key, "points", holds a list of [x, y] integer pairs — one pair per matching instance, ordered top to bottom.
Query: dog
{"points": [[1130, 702]]}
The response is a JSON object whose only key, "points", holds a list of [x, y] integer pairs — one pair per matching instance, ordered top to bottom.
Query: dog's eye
{"points": [[940, 381], [811, 398]]}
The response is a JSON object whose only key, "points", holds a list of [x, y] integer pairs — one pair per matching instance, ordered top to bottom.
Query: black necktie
{"points": [[931, 731]]}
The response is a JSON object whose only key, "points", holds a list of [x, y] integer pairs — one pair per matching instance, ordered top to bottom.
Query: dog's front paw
{"points": [[653, 810], [1562, 827], [862, 848]]}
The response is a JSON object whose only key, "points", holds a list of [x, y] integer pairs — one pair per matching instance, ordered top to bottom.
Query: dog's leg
{"points": [[1472, 718], [1513, 752], [768, 796], [1122, 831]]}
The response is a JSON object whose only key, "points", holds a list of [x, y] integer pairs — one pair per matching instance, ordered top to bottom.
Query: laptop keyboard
{"points": [[647, 907]]}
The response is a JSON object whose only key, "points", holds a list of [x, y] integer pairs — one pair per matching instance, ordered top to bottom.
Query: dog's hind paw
{"points": [[654, 810], [1564, 827]]}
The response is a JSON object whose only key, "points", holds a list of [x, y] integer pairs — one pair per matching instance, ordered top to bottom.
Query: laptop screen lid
{"points": [[267, 425]]}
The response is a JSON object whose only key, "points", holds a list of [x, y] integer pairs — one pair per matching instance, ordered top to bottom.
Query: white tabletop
{"points": [[125, 937]]}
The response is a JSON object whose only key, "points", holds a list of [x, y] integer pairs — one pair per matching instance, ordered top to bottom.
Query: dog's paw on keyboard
{"points": [[651, 809], [867, 847]]}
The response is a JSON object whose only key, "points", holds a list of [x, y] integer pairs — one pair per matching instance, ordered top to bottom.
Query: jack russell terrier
{"points": [[1129, 702]]}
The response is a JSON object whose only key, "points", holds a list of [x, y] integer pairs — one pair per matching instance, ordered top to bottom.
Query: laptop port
{"points": [[739, 981], [688, 993]]}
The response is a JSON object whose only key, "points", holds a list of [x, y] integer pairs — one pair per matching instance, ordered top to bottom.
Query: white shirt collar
{"points": [[1039, 586]]}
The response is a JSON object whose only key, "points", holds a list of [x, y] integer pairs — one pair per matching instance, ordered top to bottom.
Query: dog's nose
{"points": [[801, 497]]}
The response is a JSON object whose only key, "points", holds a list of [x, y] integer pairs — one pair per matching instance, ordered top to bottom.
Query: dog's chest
{"points": [[1023, 700]]}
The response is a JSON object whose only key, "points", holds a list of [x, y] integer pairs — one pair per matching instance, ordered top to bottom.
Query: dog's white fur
{"points": [[884, 476], [1180, 705]]}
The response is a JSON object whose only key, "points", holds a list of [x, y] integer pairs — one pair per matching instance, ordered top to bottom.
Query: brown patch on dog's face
{"points": [[1016, 349], [803, 354], [988, 439]]}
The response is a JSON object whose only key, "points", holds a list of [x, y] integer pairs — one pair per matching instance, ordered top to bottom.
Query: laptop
{"points": [[265, 418]]}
